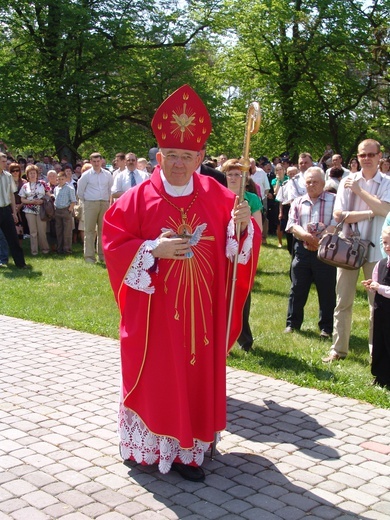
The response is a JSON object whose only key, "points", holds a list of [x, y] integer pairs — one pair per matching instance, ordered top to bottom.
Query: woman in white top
{"points": [[31, 195]]}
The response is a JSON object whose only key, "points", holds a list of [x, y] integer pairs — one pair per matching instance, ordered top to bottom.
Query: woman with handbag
{"points": [[31, 195]]}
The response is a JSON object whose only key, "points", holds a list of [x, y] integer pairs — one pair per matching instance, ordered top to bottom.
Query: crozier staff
{"points": [[169, 245]]}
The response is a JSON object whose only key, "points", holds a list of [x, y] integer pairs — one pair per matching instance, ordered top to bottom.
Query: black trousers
{"points": [[7, 226], [305, 270], [245, 340], [380, 366]]}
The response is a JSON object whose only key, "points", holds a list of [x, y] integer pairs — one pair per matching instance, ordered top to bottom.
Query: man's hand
{"points": [[353, 184], [241, 214], [311, 242], [171, 247]]}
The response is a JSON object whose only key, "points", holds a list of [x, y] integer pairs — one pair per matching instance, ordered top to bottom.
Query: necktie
{"points": [[132, 180]]}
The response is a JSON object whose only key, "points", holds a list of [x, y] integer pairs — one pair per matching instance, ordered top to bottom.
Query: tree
{"points": [[314, 65], [72, 71]]}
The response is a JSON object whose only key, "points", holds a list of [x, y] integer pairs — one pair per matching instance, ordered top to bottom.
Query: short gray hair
{"points": [[315, 169]]}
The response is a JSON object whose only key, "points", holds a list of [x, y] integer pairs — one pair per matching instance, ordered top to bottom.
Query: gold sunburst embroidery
{"points": [[183, 120], [190, 274]]}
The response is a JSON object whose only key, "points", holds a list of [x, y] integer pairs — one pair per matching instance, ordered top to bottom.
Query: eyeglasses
{"points": [[369, 155], [173, 158], [12, 171], [231, 175]]}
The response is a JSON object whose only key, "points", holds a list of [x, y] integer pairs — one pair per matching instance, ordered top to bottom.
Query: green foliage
{"points": [[312, 66], [72, 70], [65, 291]]}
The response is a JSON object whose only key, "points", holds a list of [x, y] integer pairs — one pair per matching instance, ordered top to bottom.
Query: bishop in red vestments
{"points": [[169, 245]]}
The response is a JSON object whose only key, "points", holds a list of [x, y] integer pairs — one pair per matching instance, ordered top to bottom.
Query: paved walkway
{"points": [[288, 453]]}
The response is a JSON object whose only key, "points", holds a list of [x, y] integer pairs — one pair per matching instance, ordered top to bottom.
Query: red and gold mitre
{"points": [[182, 121]]}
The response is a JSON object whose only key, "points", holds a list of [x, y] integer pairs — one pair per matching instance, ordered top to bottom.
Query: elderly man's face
{"points": [[178, 165], [314, 184]]}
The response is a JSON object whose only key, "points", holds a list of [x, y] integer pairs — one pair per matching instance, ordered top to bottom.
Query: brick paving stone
{"points": [[76, 463], [347, 479], [331, 486], [19, 487], [55, 488], [5, 495], [358, 496], [109, 497], [326, 497], [74, 498], [39, 499], [299, 501], [14, 504], [236, 506], [352, 507], [382, 507], [58, 510], [95, 510], [207, 510], [325, 512], [29, 513], [173, 513], [258, 513], [291, 513], [149, 515], [375, 515], [75, 516]]}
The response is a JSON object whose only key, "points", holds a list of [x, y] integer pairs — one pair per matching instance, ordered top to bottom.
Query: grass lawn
{"points": [[67, 292]]}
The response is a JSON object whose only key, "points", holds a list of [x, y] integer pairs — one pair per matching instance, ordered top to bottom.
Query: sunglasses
{"points": [[369, 155], [12, 171]]}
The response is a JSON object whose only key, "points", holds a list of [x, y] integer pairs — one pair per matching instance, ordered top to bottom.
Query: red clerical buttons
{"points": [[182, 121]]}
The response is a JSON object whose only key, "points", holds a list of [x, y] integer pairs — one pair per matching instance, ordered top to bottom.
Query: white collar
{"points": [[177, 191]]}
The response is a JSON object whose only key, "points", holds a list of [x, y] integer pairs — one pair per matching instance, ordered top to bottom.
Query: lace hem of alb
{"points": [[232, 244], [137, 276], [138, 443]]}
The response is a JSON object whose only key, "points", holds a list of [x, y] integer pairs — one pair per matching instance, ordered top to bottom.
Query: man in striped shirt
{"points": [[310, 215]]}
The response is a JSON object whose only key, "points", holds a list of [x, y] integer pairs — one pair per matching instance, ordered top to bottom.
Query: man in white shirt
{"points": [[337, 162], [120, 163], [259, 176], [128, 178], [296, 186], [94, 189], [364, 199], [8, 215]]}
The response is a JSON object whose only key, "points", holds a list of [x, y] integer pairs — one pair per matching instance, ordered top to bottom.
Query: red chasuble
{"points": [[173, 339]]}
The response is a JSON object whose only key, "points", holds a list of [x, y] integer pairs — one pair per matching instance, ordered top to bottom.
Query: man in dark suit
{"points": [[211, 172]]}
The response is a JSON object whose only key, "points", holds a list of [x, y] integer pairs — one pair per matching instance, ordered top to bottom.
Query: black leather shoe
{"points": [[247, 347], [193, 473]]}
